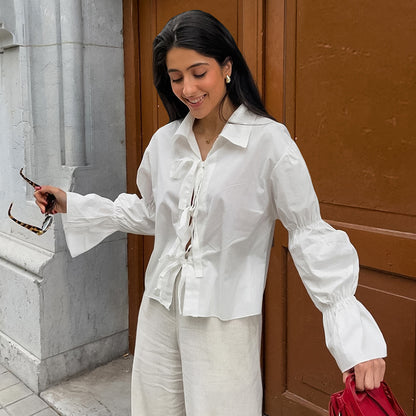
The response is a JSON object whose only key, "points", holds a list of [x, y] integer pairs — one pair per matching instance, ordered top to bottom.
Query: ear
{"points": [[227, 66]]}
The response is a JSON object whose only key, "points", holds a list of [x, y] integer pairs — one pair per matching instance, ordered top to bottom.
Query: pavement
{"points": [[104, 391]]}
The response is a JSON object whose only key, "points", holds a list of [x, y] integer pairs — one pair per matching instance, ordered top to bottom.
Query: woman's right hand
{"points": [[41, 199]]}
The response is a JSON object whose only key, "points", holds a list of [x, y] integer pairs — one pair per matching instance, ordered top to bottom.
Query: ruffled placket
{"points": [[185, 253]]}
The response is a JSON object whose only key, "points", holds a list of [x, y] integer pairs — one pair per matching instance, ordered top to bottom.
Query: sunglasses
{"points": [[50, 204]]}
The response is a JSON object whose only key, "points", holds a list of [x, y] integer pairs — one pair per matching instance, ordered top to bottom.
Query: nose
{"points": [[189, 87]]}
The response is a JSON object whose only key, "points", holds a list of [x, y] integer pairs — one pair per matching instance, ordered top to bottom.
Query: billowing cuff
{"points": [[85, 225], [352, 335]]}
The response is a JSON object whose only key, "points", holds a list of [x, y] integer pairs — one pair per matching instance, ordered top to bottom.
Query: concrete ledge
{"points": [[23, 255], [19, 361], [38, 374], [103, 391]]}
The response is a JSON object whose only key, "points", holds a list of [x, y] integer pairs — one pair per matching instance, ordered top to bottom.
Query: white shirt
{"points": [[226, 206]]}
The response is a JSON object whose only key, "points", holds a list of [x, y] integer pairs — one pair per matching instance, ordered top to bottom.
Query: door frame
{"points": [[134, 151]]}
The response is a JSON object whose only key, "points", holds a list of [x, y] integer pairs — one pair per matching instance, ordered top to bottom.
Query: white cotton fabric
{"points": [[227, 206], [195, 366]]}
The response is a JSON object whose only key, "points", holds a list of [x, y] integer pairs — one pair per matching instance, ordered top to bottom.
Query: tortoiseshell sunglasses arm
{"points": [[28, 180], [32, 228]]}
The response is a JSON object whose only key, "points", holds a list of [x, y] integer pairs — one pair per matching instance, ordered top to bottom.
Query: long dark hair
{"points": [[203, 33]]}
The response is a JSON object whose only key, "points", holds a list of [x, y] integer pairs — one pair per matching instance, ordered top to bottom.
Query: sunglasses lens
{"points": [[47, 223]]}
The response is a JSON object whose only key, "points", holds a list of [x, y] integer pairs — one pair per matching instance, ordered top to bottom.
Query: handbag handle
{"points": [[358, 397], [382, 397]]}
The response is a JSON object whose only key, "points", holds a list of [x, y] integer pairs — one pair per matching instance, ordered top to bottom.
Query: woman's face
{"points": [[198, 81]]}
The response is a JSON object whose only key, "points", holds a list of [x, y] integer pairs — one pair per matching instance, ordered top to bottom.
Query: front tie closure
{"points": [[185, 252]]}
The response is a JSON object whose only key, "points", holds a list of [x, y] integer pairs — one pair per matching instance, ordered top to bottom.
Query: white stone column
{"points": [[73, 82], [62, 120]]}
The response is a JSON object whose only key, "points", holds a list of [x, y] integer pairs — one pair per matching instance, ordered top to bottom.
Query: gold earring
{"points": [[227, 79]]}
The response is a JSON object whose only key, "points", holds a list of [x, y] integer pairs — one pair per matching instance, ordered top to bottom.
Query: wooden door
{"points": [[345, 87], [349, 100]]}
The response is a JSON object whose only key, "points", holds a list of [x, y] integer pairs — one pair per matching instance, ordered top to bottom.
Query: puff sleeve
{"points": [[91, 218], [327, 263]]}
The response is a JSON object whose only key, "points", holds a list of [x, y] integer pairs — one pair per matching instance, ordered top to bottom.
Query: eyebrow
{"points": [[190, 67]]}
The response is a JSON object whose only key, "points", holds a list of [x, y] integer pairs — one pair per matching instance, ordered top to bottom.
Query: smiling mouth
{"points": [[195, 101]]}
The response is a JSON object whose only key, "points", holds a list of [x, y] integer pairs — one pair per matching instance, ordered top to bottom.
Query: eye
{"points": [[200, 75], [175, 80]]}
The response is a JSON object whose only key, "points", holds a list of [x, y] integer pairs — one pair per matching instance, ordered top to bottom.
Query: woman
{"points": [[213, 181]]}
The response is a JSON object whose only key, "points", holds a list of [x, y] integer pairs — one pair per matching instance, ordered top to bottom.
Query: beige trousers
{"points": [[195, 366]]}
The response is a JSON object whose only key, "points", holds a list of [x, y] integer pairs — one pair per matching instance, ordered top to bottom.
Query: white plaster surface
{"points": [[7, 23], [105, 26], [20, 307], [60, 316]]}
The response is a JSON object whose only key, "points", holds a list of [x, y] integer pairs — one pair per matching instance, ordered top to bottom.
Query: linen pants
{"points": [[195, 366]]}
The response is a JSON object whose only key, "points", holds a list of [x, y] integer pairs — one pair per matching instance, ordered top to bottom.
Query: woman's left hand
{"points": [[368, 375]]}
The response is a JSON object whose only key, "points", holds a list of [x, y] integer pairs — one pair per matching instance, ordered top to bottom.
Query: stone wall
{"points": [[62, 120]]}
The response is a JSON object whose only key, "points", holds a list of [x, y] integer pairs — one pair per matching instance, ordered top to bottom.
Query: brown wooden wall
{"points": [[342, 78]]}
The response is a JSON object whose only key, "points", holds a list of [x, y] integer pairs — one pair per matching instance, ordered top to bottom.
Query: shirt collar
{"points": [[185, 127], [235, 130]]}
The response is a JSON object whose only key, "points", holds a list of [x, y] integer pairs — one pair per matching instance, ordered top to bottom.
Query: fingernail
{"points": [[38, 188]]}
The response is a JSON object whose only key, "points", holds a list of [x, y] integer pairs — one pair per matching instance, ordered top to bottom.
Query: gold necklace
{"points": [[211, 139], [208, 141]]}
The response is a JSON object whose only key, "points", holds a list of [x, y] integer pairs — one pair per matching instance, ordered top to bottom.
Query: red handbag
{"points": [[377, 402]]}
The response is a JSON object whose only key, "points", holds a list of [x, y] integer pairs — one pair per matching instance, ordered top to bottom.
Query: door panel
{"points": [[348, 102], [301, 376]]}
